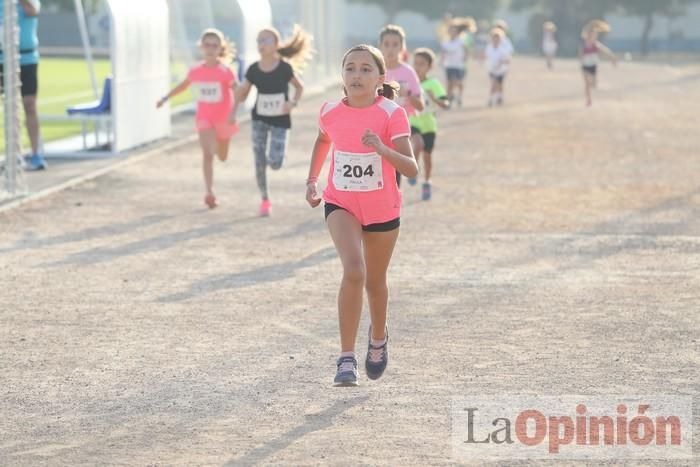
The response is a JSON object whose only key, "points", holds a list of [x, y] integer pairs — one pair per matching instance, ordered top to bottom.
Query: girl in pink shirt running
{"points": [[392, 43], [213, 83], [369, 136]]}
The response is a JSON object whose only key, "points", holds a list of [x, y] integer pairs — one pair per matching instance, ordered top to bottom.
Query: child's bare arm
{"points": [[31, 7], [607, 52], [298, 88], [242, 91], [174, 92], [417, 102], [442, 102], [232, 118], [319, 153], [318, 157], [401, 157]]}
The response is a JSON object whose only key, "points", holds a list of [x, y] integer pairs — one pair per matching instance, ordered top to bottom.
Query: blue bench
{"points": [[101, 107], [97, 112]]}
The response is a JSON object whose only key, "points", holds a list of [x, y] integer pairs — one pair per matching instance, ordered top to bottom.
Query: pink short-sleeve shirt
{"points": [[407, 78], [211, 87], [376, 198]]}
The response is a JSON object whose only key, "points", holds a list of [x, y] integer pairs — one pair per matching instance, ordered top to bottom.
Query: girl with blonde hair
{"points": [[549, 42], [589, 52], [498, 55], [213, 83]]}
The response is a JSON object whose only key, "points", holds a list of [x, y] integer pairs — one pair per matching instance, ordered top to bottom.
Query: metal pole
{"points": [[82, 24], [11, 65]]}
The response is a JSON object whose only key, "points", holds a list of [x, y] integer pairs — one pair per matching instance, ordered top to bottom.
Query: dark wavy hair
{"points": [[389, 90]]}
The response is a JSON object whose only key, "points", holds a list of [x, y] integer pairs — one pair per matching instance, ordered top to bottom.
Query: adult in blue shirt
{"points": [[28, 12]]}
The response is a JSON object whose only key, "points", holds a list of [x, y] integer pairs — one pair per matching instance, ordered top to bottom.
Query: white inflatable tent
{"points": [[256, 16], [140, 62], [140, 71]]}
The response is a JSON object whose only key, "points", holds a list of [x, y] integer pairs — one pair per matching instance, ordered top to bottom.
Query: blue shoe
{"points": [[36, 162], [412, 181], [427, 192], [377, 357], [347, 372]]}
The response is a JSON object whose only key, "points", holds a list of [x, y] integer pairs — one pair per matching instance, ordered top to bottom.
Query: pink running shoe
{"points": [[210, 200], [265, 208]]}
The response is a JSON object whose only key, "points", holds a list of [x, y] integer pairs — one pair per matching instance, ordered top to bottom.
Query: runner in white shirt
{"points": [[549, 42], [454, 53], [498, 59]]}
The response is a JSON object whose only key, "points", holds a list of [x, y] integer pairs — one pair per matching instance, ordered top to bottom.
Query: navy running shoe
{"points": [[427, 192], [377, 357], [347, 372]]}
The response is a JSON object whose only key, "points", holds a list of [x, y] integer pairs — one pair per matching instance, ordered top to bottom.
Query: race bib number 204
{"points": [[357, 172]]}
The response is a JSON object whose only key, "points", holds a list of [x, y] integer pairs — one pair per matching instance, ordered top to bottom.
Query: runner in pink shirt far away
{"points": [[213, 83]]}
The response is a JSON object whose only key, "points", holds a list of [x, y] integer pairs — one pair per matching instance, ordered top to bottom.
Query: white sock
{"points": [[378, 343], [347, 354]]}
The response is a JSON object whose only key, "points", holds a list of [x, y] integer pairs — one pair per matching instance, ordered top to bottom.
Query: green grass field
{"points": [[65, 82]]}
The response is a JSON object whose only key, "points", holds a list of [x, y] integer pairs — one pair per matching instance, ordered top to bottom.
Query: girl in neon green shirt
{"points": [[435, 96]]}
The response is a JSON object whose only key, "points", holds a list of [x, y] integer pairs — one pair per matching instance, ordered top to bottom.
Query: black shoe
{"points": [[377, 357]]}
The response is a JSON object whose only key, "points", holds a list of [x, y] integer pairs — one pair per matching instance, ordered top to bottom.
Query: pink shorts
{"points": [[224, 130]]}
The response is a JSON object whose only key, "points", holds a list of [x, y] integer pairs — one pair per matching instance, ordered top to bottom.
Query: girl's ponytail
{"points": [[297, 49], [390, 90]]}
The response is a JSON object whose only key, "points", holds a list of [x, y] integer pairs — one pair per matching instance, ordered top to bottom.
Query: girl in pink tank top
{"points": [[213, 83], [367, 134]]}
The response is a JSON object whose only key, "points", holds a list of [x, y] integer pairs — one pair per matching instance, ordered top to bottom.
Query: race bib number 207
{"points": [[208, 92]]}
